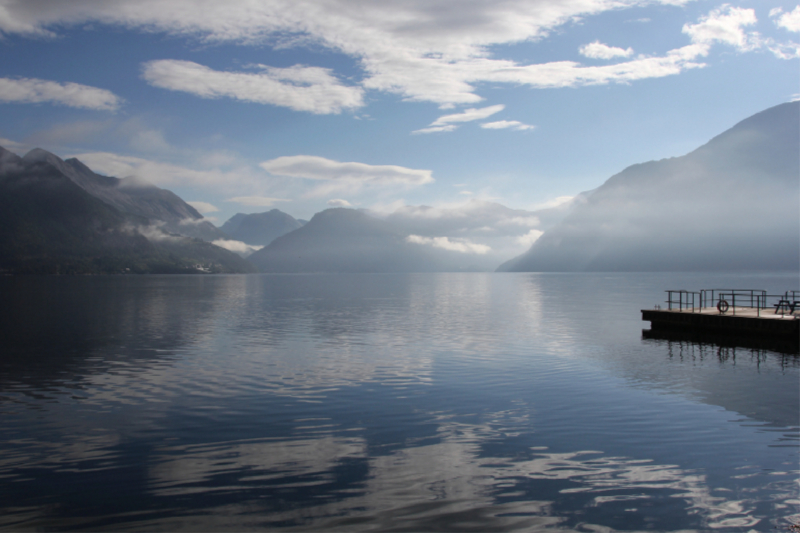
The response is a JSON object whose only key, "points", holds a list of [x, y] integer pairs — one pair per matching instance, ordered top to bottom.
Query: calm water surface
{"points": [[429, 402]]}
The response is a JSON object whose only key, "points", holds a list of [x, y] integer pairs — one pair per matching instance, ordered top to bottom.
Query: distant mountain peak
{"points": [[39, 154], [9, 157], [77, 164], [133, 195], [260, 229]]}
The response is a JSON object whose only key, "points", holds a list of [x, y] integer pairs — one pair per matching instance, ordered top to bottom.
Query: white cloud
{"points": [[789, 21], [725, 25], [598, 50], [788, 50], [422, 51], [570, 74], [301, 88], [34, 91], [469, 115], [445, 122], [507, 124], [436, 129], [134, 132], [16, 147], [320, 168], [165, 174], [256, 201], [338, 202], [555, 202], [204, 207], [381, 210], [194, 221], [479, 221], [523, 221], [153, 232], [529, 238], [460, 245], [236, 246]]}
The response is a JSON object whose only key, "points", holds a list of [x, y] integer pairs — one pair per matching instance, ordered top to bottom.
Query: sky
{"points": [[302, 105]]}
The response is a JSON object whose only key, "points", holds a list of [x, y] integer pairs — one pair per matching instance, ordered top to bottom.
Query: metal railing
{"points": [[685, 299], [725, 300]]}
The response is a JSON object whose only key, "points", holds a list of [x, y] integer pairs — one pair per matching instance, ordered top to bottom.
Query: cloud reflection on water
{"points": [[381, 402], [449, 484]]}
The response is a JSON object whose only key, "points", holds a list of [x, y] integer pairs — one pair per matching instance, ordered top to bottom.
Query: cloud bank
{"points": [[789, 21], [725, 25], [598, 50], [421, 51], [300, 88], [35, 91], [446, 122], [507, 124], [164, 174], [344, 176], [256, 201], [338, 202], [203, 207], [462, 246], [238, 247]]}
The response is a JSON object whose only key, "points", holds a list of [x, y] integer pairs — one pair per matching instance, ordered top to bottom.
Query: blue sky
{"points": [[242, 106]]}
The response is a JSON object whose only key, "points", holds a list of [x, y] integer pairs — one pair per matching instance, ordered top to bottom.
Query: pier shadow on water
{"points": [[725, 344]]}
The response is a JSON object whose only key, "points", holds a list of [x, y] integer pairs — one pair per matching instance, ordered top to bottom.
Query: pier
{"points": [[728, 313]]}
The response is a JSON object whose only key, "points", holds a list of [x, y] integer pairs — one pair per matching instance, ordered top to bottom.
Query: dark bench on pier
{"points": [[789, 305]]}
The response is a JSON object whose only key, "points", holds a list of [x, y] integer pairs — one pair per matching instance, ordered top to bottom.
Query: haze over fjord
{"points": [[244, 107], [731, 204], [728, 205]]}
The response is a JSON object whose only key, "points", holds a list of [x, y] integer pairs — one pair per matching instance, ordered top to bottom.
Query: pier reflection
{"points": [[726, 345]]}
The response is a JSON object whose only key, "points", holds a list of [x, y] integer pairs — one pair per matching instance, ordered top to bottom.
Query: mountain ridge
{"points": [[144, 200], [722, 206], [49, 224], [260, 229], [349, 240]]}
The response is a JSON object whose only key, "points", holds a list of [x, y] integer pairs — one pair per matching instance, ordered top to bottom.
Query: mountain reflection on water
{"points": [[385, 402]]}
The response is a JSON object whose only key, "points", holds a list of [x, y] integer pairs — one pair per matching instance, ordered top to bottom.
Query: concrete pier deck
{"points": [[741, 321]]}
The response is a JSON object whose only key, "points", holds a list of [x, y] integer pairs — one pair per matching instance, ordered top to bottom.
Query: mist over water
{"points": [[421, 402]]}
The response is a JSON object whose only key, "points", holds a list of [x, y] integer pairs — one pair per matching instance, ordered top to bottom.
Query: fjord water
{"points": [[419, 402]]}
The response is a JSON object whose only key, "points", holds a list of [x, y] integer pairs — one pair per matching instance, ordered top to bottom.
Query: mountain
{"points": [[134, 196], [731, 204], [50, 224], [260, 228], [475, 236], [350, 240]]}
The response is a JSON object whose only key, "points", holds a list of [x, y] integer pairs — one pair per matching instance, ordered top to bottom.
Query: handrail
{"points": [[725, 299]]}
